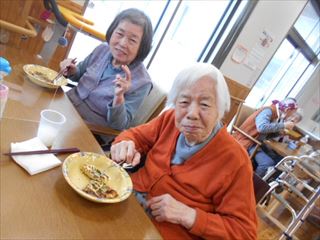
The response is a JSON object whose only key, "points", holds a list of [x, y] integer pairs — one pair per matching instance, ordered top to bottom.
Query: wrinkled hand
{"points": [[69, 66], [122, 84], [289, 125], [125, 151], [166, 208]]}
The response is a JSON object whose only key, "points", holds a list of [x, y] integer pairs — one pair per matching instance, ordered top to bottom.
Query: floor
{"points": [[268, 230]]}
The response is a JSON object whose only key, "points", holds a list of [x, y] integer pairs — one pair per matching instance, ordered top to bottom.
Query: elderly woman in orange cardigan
{"points": [[196, 180]]}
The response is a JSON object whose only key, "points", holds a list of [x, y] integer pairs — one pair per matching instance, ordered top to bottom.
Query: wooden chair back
{"points": [[235, 106], [151, 107], [244, 112]]}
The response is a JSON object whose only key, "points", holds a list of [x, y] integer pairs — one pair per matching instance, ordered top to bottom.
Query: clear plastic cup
{"points": [[4, 91], [51, 122]]}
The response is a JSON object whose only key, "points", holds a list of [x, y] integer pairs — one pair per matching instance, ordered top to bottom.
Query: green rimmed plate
{"points": [[119, 178]]}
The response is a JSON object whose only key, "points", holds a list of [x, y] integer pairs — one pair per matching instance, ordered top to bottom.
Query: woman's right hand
{"points": [[69, 66], [122, 84], [289, 125], [125, 151]]}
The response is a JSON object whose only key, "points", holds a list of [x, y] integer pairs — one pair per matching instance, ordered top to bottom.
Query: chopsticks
{"points": [[60, 73], [54, 151], [125, 165]]}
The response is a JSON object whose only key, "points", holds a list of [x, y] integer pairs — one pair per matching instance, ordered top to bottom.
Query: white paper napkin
{"points": [[37, 163]]}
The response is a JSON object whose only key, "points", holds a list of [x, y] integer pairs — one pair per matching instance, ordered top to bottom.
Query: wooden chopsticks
{"points": [[60, 73], [54, 151]]}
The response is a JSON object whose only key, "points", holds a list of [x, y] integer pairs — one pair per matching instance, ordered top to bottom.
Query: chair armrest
{"points": [[97, 129], [247, 135]]}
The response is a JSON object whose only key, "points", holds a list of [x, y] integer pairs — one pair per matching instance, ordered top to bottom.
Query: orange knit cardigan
{"points": [[216, 181]]}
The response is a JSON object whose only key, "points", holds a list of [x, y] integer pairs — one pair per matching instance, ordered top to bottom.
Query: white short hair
{"points": [[190, 75]]}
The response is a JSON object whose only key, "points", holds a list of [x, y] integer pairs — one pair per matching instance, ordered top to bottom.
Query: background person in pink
{"points": [[265, 123]]}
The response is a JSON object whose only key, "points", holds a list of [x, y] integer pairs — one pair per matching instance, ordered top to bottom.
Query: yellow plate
{"points": [[43, 76], [292, 133], [119, 178]]}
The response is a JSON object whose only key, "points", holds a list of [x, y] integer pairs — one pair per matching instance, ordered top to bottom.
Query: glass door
{"points": [[293, 63]]}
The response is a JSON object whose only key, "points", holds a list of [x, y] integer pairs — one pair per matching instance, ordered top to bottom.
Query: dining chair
{"points": [[235, 105], [151, 107], [244, 112], [261, 187], [296, 189]]}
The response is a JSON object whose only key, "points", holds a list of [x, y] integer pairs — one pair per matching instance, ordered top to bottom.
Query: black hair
{"points": [[139, 18]]}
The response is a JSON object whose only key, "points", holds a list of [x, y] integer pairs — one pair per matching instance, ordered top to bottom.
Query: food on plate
{"points": [[41, 76], [44, 77], [293, 134], [94, 173], [98, 182], [100, 189]]}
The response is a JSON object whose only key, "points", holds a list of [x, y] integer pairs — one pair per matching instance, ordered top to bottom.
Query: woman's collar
{"points": [[131, 66]]}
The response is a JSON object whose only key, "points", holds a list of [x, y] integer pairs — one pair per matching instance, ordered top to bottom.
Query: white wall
{"points": [[274, 16]]}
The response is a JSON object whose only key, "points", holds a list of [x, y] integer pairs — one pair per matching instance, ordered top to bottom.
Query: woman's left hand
{"points": [[122, 84], [289, 125], [166, 208]]}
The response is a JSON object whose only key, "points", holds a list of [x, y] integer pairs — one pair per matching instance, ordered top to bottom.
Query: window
{"points": [[102, 13], [308, 26], [185, 31], [189, 32], [293, 63], [316, 116]]}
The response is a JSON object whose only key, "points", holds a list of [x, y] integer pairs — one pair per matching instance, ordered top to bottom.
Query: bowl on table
{"points": [[43, 76], [118, 178]]}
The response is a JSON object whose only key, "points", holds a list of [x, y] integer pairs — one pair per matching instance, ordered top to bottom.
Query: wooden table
{"points": [[282, 148], [44, 206]]}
